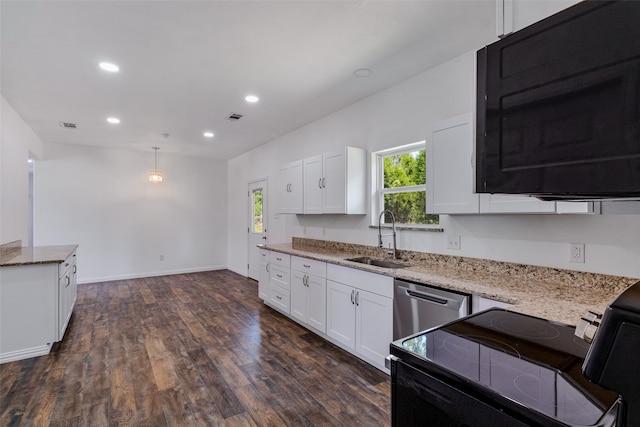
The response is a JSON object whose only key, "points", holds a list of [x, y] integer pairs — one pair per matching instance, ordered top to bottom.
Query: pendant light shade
{"points": [[155, 176]]}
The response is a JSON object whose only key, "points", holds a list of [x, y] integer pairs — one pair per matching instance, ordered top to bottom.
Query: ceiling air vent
{"points": [[234, 117], [68, 125]]}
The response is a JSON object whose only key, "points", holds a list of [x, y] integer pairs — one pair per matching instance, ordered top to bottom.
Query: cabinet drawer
{"points": [[264, 256], [278, 258], [66, 264], [310, 266], [280, 276], [372, 282], [279, 297]]}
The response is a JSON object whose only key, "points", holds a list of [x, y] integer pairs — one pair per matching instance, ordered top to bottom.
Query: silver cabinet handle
{"points": [[320, 183], [323, 186], [279, 259], [306, 266], [267, 267], [75, 269], [279, 275], [68, 281], [352, 296], [279, 297], [357, 298]]}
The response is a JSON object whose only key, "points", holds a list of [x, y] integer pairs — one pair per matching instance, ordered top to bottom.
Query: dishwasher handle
{"points": [[427, 297], [452, 303]]}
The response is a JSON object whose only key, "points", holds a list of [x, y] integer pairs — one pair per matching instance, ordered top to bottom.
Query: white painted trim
{"points": [[152, 274], [27, 353]]}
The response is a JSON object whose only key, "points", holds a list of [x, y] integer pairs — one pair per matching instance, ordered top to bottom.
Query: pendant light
{"points": [[155, 176]]}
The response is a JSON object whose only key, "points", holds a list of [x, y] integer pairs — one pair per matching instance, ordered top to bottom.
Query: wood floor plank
{"points": [[197, 349]]}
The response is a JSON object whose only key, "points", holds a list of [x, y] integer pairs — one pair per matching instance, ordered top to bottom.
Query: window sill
{"points": [[402, 227]]}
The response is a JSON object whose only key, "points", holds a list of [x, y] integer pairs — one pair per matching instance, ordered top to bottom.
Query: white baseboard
{"points": [[149, 274], [26, 353]]}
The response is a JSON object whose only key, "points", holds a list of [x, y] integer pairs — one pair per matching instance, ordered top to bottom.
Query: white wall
{"points": [[400, 115], [16, 141], [101, 199]]}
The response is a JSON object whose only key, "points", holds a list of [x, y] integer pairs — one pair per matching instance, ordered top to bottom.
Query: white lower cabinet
{"points": [[263, 275], [279, 281], [67, 291], [309, 292], [309, 300], [36, 303], [349, 307], [360, 320]]}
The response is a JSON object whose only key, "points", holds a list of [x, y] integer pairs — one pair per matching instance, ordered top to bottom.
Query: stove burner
{"points": [[525, 329], [580, 342], [496, 345]]}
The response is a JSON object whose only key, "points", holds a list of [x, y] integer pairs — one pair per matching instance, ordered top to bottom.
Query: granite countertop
{"points": [[35, 255], [554, 294]]}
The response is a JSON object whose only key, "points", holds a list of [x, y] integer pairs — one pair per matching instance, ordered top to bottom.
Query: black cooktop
{"points": [[533, 363]]}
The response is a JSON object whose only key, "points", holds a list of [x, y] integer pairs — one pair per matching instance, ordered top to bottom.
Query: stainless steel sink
{"points": [[377, 262]]}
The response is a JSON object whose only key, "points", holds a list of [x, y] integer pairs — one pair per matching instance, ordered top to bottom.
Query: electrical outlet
{"points": [[453, 242], [576, 252]]}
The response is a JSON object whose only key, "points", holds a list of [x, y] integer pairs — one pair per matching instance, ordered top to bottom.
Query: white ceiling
{"points": [[186, 65]]}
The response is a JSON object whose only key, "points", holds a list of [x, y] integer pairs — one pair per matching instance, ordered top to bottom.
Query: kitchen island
{"points": [[550, 293], [37, 295]]}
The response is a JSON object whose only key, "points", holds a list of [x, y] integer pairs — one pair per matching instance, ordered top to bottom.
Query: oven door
{"points": [[419, 399]]}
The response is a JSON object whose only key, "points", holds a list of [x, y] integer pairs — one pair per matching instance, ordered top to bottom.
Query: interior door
{"points": [[257, 224]]}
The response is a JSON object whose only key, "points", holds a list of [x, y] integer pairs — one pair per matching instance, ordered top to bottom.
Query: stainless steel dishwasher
{"points": [[417, 307]]}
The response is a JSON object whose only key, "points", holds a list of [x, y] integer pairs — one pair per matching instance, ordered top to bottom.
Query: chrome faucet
{"points": [[391, 252]]}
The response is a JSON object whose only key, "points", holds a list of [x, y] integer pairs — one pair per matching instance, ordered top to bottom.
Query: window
{"points": [[401, 184], [257, 211]]}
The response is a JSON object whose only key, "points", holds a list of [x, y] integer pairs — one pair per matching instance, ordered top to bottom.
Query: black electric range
{"points": [[496, 368]]}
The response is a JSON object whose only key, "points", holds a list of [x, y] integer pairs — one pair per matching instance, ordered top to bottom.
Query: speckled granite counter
{"points": [[12, 255], [555, 294]]}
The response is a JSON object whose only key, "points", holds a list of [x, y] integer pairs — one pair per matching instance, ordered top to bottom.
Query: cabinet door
{"points": [[449, 151], [335, 182], [296, 187], [290, 188], [313, 190], [284, 197], [263, 281], [74, 283], [299, 296], [65, 300], [317, 303], [341, 325], [374, 326]]}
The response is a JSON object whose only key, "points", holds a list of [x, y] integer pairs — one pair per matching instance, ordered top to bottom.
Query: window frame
{"points": [[379, 191]]}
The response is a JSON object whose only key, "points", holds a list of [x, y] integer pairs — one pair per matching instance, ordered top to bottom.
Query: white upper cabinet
{"points": [[449, 150], [450, 177], [335, 182], [291, 187], [313, 190], [508, 203]]}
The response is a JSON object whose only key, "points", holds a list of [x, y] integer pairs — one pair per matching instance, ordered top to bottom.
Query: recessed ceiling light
{"points": [[107, 66], [363, 72], [251, 98], [113, 120], [208, 134]]}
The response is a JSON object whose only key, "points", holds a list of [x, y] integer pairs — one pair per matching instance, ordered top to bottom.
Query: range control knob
{"points": [[588, 325]]}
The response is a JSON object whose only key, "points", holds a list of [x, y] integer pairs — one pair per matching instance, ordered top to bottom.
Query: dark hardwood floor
{"points": [[189, 350]]}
